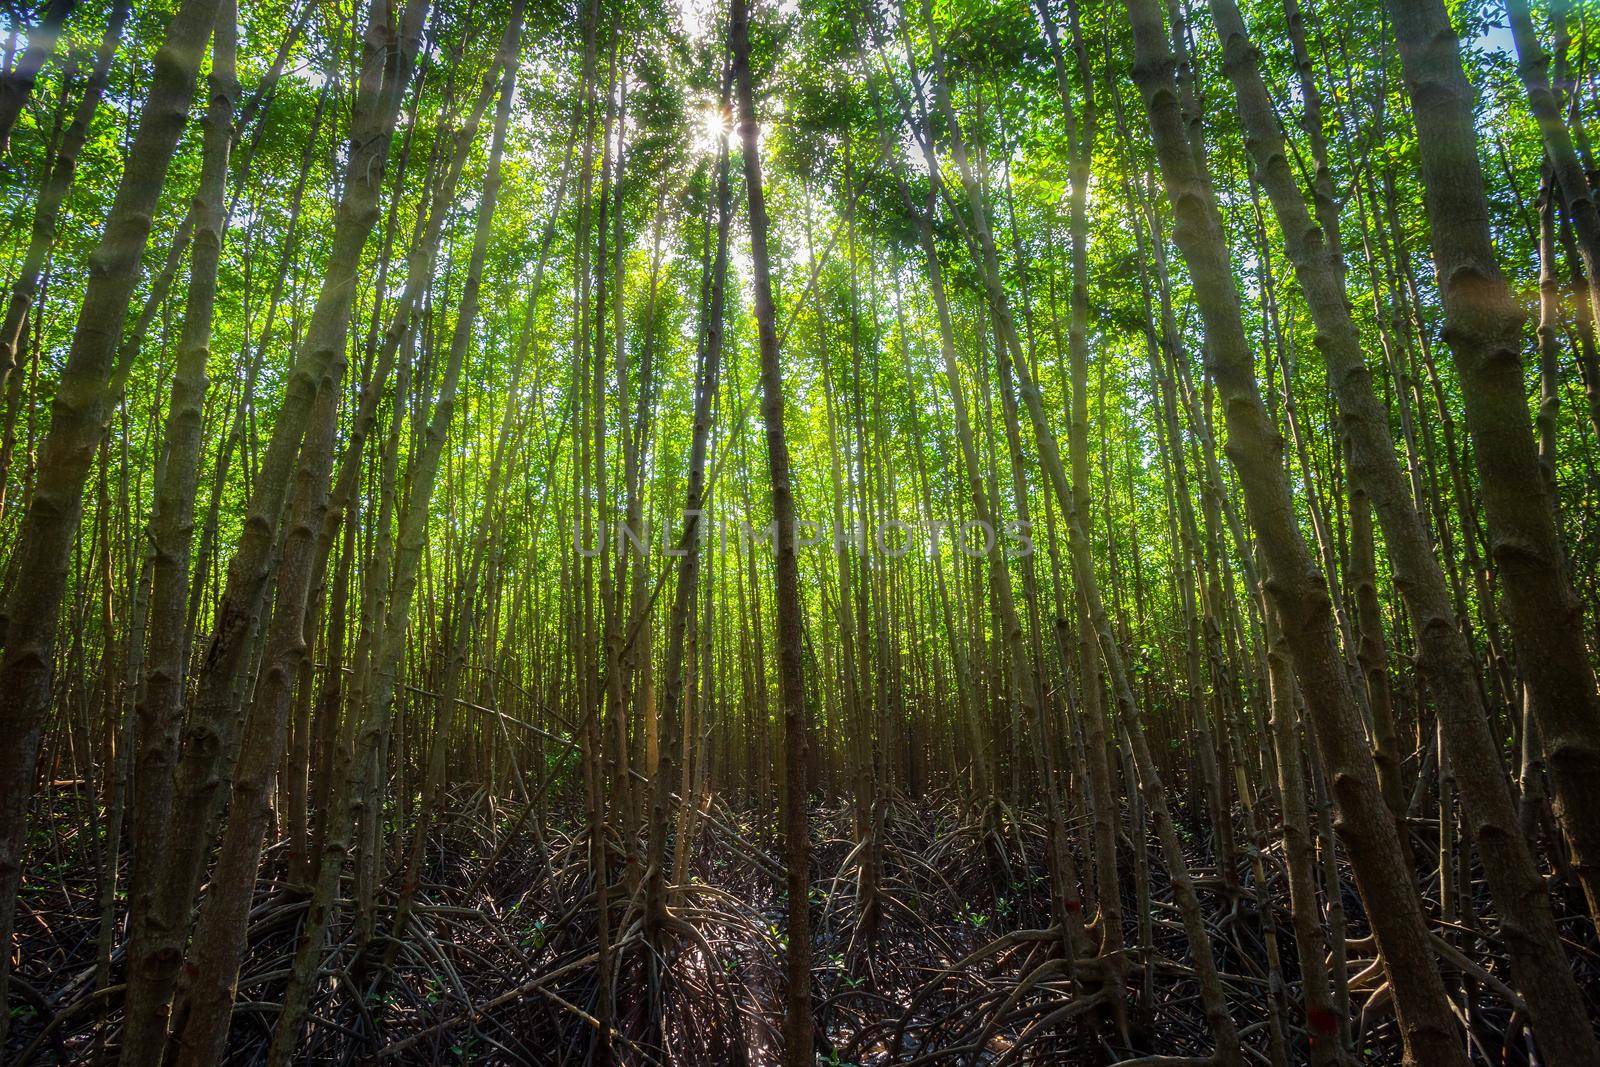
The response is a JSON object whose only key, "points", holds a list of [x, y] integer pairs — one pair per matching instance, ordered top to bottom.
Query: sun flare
{"points": [[711, 126]]}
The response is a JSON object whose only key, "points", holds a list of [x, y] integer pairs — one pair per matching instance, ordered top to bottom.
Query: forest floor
{"points": [[500, 966]]}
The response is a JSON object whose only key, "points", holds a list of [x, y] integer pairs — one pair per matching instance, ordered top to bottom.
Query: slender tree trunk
{"points": [[16, 85], [1081, 130], [53, 193], [1483, 325], [79, 412], [1298, 592], [467, 593], [375, 679], [157, 712], [1151, 780], [193, 792], [1527, 922], [220, 931], [797, 1026]]}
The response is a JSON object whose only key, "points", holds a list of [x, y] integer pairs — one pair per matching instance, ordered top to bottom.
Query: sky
{"points": [[696, 15]]}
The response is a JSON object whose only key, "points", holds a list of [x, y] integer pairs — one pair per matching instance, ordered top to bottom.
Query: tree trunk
{"points": [[17, 84], [1483, 324], [78, 417], [1296, 587], [1527, 922], [797, 1026]]}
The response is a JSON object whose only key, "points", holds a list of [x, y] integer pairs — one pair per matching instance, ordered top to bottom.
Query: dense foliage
{"points": [[1159, 628]]}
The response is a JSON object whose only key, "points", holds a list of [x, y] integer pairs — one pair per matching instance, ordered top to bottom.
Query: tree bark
{"points": [[17, 85], [57, 183], [1483, 325], [79, 412], [1293, 582], [192, 793], [1527, 921], [797, 1026]]}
